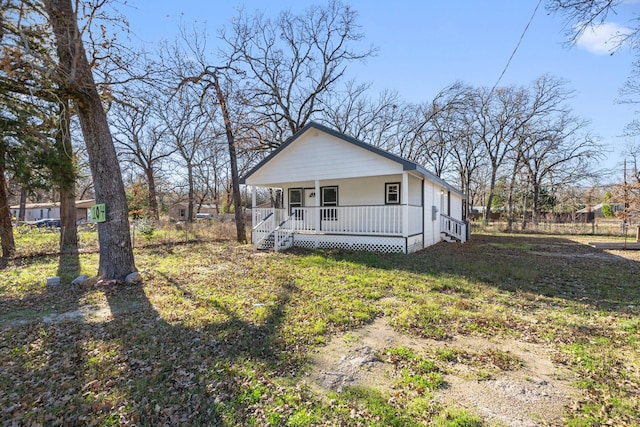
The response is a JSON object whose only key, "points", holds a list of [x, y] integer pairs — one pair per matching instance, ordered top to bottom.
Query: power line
{"points": [[517, 46]]}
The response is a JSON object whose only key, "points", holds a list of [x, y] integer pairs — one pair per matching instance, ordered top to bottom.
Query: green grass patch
{"points": [[512, 245]]}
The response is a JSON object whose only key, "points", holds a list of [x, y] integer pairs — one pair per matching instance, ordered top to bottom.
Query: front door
{"points": [[309, 197]]}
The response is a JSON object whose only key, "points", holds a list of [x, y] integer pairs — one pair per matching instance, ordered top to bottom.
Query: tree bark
{"points": [[66, 177], [492, 187], [191, 193], [22, 211], [154, 211], [6, 227], [68, 228], [241, 235], [116, 253]]}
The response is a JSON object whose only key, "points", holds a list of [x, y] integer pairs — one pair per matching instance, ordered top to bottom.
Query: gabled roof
{"points": [[407, 165]]}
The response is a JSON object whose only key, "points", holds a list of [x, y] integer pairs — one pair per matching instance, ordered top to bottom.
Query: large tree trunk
{"points": [[66, 177], [492, 188], [191, 192], [510, 201], [535, 209], [22, 211], [154, 212], [6, 227], [68, 228], [241, 235], [116, 252]]}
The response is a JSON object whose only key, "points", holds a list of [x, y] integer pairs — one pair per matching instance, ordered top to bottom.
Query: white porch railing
{"points": [[359, 220], [369, 220], [265, 221], [453, 227], [273, 228]]}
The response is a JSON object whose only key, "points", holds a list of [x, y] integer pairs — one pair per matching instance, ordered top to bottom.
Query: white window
{"points": [[392, 193], [329, 198], [295, 201]]}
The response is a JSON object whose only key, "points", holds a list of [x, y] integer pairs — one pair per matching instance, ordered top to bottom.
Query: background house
{"points": [[51, 210], [178, 211], [596, 211]]}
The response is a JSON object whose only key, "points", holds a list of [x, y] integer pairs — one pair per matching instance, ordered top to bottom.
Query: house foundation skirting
{"points": [[415, 243], [387, 244]]}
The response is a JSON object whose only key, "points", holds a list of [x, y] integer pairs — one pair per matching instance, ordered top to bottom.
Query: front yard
{"points": [[222, 335]]}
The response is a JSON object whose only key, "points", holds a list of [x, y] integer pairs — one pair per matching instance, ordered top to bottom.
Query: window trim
{"points": [[388, 186], [322, 201], [297, 204], [329, 214]]}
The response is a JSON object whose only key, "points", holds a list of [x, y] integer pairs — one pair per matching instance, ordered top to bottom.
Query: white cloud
{"points": [[603, 39]]}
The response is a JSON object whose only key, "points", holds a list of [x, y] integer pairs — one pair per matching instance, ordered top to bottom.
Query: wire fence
{"points": [[597, 227], [41, 241]]}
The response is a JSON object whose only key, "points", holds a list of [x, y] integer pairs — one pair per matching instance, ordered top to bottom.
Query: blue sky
{"points": [[425, 45]]}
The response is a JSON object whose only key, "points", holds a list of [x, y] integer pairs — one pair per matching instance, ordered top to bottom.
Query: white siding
{"points": [[317, 155], [415, 191], [432, 198], [456, 207], [34, 214]]}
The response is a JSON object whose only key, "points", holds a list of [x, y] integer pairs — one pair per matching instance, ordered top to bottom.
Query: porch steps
{"points": [[448, 238], [268, 243]]}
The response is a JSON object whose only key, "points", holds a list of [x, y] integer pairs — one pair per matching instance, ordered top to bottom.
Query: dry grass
{"points": [[222, 335]]}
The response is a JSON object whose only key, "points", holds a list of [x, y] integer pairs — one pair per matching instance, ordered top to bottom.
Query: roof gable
{"points": [[378, 161]]}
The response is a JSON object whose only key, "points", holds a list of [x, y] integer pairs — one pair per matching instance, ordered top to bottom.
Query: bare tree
{"points": [[583, 15], [291, 63], [74, 72], [222, 97], [218, 103], [495, 117], [372, 120], [439, 128], [189, 129], [141, 138], [557, 154], [632, 154], [211, 173]]}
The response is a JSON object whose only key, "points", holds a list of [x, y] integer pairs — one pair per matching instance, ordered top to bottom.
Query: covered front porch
{"points": [[378, 228]]}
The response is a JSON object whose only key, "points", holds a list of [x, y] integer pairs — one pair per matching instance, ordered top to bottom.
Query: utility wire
{"points": [[516, 48]]}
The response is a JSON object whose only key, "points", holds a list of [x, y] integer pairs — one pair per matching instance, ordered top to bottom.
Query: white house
{"points": [[339, 192], [36, 211]]}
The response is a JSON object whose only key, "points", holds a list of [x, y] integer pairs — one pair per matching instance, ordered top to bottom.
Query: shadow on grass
{"points": [[549, 266], [136, 366], [199, 375]]}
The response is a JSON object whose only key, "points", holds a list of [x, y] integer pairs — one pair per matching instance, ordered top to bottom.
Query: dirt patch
{"points": [[97, 313], [536, 392]]}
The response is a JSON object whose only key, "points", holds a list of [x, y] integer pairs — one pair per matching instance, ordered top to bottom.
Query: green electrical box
{"points": [[99, 212]]}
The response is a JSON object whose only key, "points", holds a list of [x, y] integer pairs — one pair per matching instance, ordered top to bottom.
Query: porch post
{"points": [[405, 204], [253, 207], [316, 215]]}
